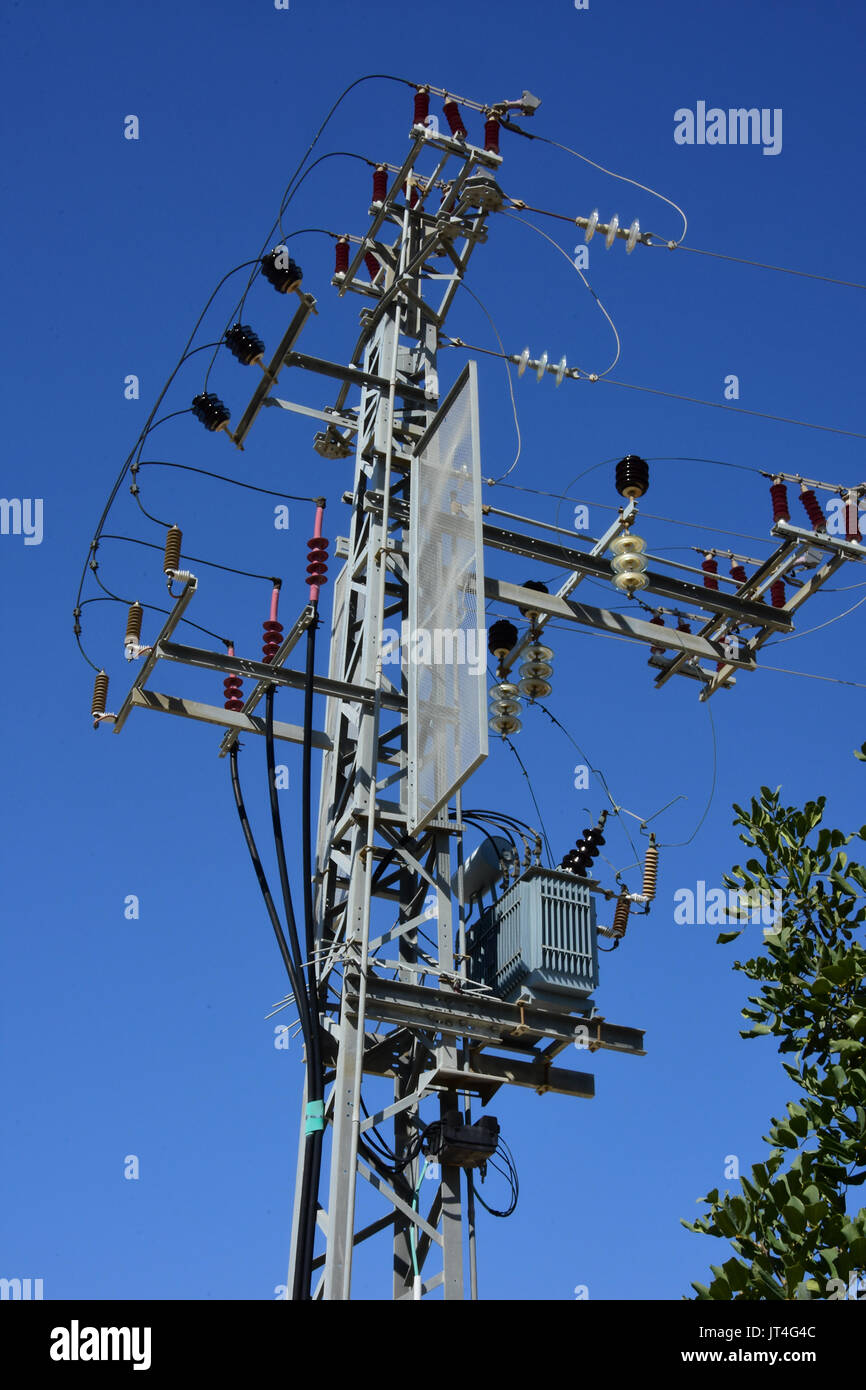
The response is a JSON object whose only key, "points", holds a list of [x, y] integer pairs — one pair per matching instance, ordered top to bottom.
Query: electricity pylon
{"points": [[399, 744], [371, 850]]}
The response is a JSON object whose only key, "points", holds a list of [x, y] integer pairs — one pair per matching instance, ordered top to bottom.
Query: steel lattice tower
{"points": [[384, 841]]}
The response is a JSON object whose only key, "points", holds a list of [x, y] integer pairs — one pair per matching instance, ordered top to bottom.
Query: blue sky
{"points": [[148, 1036]]}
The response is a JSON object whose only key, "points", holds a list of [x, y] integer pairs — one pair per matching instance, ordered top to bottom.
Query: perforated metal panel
{"points": [[446, 650]]}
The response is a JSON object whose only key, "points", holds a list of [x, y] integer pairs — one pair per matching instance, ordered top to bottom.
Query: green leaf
{"points": [[760, 1176], [739, 1212], [795, 1215], [830, 1255], [737, 1274]]}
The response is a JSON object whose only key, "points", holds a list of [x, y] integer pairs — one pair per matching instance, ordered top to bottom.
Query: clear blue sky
{"points": [[148, 1036]]}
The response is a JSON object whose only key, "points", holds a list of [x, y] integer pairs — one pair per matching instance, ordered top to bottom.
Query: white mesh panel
{"points": [[446, 645]]}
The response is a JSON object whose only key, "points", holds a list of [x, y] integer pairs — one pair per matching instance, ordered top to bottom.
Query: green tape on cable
{"points": [[315, 1116]]}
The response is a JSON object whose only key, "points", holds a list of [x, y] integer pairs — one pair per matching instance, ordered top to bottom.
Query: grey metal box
{"points": [[538, 940]]}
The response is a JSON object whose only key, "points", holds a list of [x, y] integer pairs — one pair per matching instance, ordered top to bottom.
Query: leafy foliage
{"points": [[789, 1227]]}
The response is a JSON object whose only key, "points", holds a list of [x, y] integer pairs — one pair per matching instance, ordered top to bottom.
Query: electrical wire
{"points": [[389, 77], [546, 140], [332, 154], [294, 180], [653, 239], [761, 265], [238, 310], [489, 317], [575, 374], [597, 376], [737, 409], [147, 424], [603, 463], [722, 463], [221, 477], [650, 516], [193, 559], [154, 608], [806, 631], [811, 675], [507, 740], [615, 807], [524, 830], [677, 844], [289, 963], [315, 1070], [413, 1148], [510, 1173], [309, 1187], [413, 1237]]}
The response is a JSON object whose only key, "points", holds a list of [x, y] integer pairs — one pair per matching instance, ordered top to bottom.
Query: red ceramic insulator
{"points": [[422, 106], [454, 119], [491, 135], [380, 183], [341, 257], [372, 265], [779, 499], [813, 509], [317, 560], [710, 568], [738, 573], [777, 593], [273, 636], [232, 692]]}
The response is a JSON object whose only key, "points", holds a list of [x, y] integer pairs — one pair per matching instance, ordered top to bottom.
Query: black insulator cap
{"points": [[280, 270], [244, 344], [210, 410], [632, 476], [539, 587], [502, 636]]}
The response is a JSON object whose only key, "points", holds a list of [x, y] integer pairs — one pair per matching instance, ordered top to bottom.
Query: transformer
{"points": [[537, 942]]}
